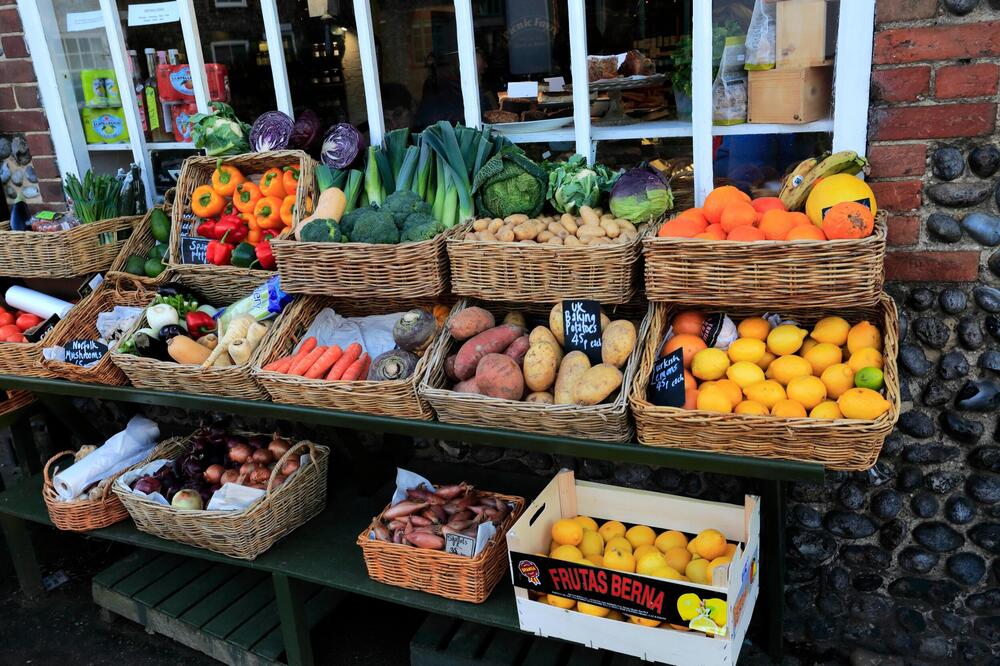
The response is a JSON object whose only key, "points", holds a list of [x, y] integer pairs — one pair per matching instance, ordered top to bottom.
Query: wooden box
{"points": [[805, 32], [790, 95], [673, 641]]}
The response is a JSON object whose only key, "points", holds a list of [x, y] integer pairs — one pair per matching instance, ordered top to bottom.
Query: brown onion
{"points": [[278, 447], [240, 453], [262, 457], [290, 466], [247, 468], [213, 474], [260, 475], [230, 476], [279, 479]]}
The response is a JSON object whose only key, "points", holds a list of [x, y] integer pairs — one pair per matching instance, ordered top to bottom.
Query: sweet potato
{"points": [[469, 322], [492, 341], [618, 342], [518, 349], [540, 365], [573, 365], [449, 368], [499, 377], [596, 384], [468, 386], [543, 397]]}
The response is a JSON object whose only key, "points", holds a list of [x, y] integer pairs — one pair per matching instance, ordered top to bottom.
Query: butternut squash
{"points": [[331, 205], [185, 350]]}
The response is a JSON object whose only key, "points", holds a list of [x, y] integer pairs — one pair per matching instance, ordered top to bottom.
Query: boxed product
{"points": [[104, 125]]}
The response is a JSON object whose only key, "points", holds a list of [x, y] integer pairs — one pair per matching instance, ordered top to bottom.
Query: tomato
{"points": [[6, 318], [26, 321], [9, 329], [13, 337]]}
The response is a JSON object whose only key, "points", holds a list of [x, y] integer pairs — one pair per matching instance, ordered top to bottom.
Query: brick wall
{"points": [[935, 72]]}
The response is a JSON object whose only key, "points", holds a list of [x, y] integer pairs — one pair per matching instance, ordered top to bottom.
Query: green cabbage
{"points": [[509, 183]]}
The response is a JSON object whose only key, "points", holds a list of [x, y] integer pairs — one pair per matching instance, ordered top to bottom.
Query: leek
{"points": [[408, 169], [388, 182], [373, 186], [353, 189], [439, 190]]}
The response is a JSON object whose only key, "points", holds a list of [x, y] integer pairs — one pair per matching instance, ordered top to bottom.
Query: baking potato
{"points": [[590, 216], [516, 218], [569, 223], [480, 224], [624, 224], [494, 225], [556, 228], [611, 228], [525, 231], [590, 231], [506, 234], [471, 235], [544, 235], [486, 236], [555, 240], [572, 240], [601, 240], [514, 318], [542, 334], [618, 342], [540, 365], [573, 365], [596, 384], [543, 397]]}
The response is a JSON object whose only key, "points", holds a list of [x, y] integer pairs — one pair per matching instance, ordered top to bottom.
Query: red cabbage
{"points": [[271, 131], [306, 132], [341, 146]]}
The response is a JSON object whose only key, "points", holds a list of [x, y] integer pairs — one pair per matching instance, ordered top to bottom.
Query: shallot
{"points": [[262, 456], [404, 508], [425, 540]]}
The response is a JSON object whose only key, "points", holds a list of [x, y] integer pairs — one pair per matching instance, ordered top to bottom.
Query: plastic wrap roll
{"points": [[36, 302]]}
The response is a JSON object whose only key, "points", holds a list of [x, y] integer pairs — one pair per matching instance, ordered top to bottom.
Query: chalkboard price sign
{"points": [[193, 250], [582, 328], [39, 332], [85, 352], [666, 384]]}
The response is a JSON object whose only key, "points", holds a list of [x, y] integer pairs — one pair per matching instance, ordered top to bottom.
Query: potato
{"points": [[589, 216], [516, 218], [568, 222], [480, 224], [624, 224], [494, 225], [556, 228], [610, 228], [525, 231], [590, 231], [506, 234], [471, 235], [544, 235], [485, 236], [555, 240], [572, 240], [601, 240], [515, 318], [470, 321], [556, 322], [542, 334], [618, 342], [518, 349], [540, 365], [573, 365], [499, 377], [596, 384], [468, 386], [543, 397]]}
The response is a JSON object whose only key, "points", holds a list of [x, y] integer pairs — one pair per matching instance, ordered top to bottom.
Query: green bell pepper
{"points": [[244, 256]]}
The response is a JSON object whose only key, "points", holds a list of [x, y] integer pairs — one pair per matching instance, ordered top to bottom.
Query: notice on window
{"points": [[153, 13], [80, 21]]}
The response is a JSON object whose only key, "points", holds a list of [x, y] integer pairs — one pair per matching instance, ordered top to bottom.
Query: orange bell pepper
{"points": [[225, 179], [290, 179], [271, 184], [246, 196], [206, 202], [288, 209], [267, 213]]}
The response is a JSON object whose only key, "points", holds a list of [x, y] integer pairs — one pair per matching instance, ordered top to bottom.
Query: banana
{"points": [[846, 161], [796, 175]]}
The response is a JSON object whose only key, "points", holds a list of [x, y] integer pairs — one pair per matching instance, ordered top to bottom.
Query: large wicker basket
{"points": [[197, 171], [139, 243], [88, 248], [542, 273], [766, 274], [81, 325], [22, 358], [236, 381], [388, 398], [15, 400], [608, 422], [841, 444], [242, 534], [437, 572]]}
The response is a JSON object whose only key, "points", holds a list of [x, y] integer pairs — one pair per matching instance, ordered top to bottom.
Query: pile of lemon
{"points": [[831, 372], [637, 549]]}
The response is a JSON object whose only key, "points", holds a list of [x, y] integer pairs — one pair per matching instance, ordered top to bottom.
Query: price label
{"points": [[187, 228], [193, 250], [90, 284], [582, 328], [39, 332], [85, 352], [666, 384], [459, 544]]}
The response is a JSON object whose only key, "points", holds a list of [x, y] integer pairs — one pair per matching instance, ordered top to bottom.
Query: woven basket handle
{"points": [[168, 197], [281, 463], [45, 472]]}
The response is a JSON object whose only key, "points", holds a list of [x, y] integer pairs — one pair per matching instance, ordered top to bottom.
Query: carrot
{"points": [[351, 354], [305, 362], [324, 362], [281, 365], [368, 365], [354, 371]]}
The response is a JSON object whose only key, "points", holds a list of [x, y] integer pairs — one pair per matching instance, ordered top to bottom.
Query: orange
{"points": [[718, 199], [764, 204], [694, 214], [737, 214], [800, 219], [775, 224], [681, 227], [713, 232], [803, 232], [745, 233], [688, 322], [692, 344], [689, 380], [690, 398], [711, 544]]}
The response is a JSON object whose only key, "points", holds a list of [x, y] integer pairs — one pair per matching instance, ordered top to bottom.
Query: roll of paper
{"points": [[36, 302], [123, 450]]}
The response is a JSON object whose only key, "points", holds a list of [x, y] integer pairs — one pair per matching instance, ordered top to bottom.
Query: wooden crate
{"points": [[805, 32], [795, 95], [564, 497]]}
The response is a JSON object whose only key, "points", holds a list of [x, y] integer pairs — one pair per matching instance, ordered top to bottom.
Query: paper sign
{"points": [[153, 13], [80, 21], [556, 83], [522, 89], [193, 250], [90, 284], [582, 328], [39, 332], [85, 352], [666, 384], [459, 544]]}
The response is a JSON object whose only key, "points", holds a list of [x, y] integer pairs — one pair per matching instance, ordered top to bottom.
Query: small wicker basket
{"points": [[139, 243], [87, 248], [764, 275], [22, 358], [15, 400], [608, 422], [841, 444], [436, 572]]}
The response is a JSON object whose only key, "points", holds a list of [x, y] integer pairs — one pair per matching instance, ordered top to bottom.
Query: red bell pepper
{"points": [[232, 228], [207, 229], [219, 253], [264, 254], [199, 324]]}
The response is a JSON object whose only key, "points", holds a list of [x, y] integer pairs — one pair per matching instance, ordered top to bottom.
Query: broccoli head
{"points": [[404, 203], [348, 221], [376, 226], [419, 227], [321, 231]]}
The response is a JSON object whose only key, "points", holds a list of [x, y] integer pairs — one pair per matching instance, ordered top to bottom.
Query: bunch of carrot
{"points": [[331, 363]]}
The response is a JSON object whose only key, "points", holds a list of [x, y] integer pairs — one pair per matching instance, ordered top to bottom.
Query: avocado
{"points": [[159, 223], [158, 251], [135, 265], [153, 267]]}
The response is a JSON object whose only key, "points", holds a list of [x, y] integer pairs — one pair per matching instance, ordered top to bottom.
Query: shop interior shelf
{"points": [[825, 125], [553, 135], [109, 147]]}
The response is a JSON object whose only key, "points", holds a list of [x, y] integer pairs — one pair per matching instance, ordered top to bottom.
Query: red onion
{"points": [[278, 446], [239, 453], [262, 456], [290, 466], [247, 467], [213, 473], [260, 475], [230, 476]]}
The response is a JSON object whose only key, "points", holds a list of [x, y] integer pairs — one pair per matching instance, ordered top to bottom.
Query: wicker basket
{"points": [[197, 171], [139, 243], [88, 248], [401, 272], [542, 273], [763, 275], [82, 320], [22, 358], [234, 381], [389, 398], [15, 401], [608, 422], [840, 444], [241, 534], [437, 572]]}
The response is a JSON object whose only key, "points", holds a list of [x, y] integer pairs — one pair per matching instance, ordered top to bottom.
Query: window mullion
{"points": [[577, 15], [466, 34], [276, 54], [195, 57], [369, 71], [852, 75], [701, 99]]}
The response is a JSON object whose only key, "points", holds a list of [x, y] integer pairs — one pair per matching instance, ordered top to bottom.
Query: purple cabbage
{"points": [[307, 130], [271, 131], [341, 146], [640, 195]]}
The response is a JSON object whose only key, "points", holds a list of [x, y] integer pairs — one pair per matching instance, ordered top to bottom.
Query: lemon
{"points": [[754, 327], [833, 330], [863, 335], [785, 339], [807, 344], [746, 349], [822, 356], [866, 358], [765, 361], [709, 364], [786, 368], [745, 373], [838, 378], [869, 378], [732, 389], [807, 391], [767, 392], [714, 399], [862, 403], [751, 407], [789, 409], [827, 409], [586, 522], [610, 530], [567, 531], [640, 535], [670, 539], [592, 543], [619, 543], [711, 543], [642, 550], [567, 553], [677, 558], [596, 560], [619, 560], [649, 563], [695, 570], [667, 572], [559, 602], [689, 606], [591, 609], [716, 609], [615, 615], [646, 622], [704, 623]]}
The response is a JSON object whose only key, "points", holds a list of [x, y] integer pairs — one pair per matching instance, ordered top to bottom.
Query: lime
{"points": [[159, 223], [158, 251], [135, 265], [153, 267], [869, 378]]}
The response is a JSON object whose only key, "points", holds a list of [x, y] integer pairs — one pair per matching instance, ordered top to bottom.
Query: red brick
{"points": [[887, 11], [10, 21], [938, 42], [14, 46], [17, 71], [977, 80], [901, 84], [27, 97], [7, 98], [23, 121], [940, 121], [40, 143], [897, 160], [45, 167], [51, 190], [898, 195], [903, 229], [936, 266]]}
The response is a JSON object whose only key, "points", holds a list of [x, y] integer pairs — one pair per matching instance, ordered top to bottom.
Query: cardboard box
{"points": [[805, 32], [790, 95], [737, 584]]}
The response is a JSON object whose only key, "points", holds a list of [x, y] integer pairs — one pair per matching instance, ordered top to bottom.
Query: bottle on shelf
{"points": [[139, 89], [166, 115], [156, 128]]}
